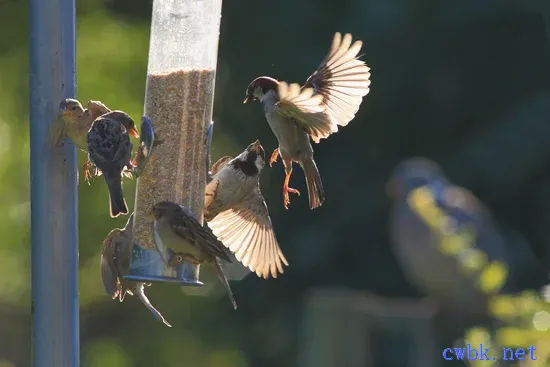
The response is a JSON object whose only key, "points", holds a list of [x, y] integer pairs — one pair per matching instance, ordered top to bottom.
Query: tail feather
{"points": [[315, 189], [117, 204]]}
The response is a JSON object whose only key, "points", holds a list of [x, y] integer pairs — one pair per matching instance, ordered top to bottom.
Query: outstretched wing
{"points": [[342, 79], [332, 94], [306, 109], [248, 232]]}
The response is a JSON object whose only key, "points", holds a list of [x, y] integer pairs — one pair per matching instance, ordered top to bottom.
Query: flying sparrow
{"points": [[330, 98], [74, 122], [110, 149], [237, 213], [180, 237], [115, 262]]}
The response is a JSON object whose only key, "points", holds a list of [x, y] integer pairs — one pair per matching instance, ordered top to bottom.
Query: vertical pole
{"points": [[54, 216]]}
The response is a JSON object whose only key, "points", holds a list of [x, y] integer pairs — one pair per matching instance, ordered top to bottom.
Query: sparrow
{"points": [[330, 98], [74, 122], [147, 139], [110, 149], [238, 215], [180, 237], [446, 241], [115, 262]]}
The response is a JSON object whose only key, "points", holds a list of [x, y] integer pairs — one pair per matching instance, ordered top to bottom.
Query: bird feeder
{"points": [[179, 101]]}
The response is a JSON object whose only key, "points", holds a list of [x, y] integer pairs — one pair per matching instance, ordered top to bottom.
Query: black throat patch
{"points": [[248, 167]]}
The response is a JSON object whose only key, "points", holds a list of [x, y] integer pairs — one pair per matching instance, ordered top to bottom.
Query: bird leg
{"points": [[274, 157], [86, 170], [286, 189]]}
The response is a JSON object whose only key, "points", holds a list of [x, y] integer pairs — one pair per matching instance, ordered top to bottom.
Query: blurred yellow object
{"points": [[422, 201], [454, 244], [472, 261], [493, 277], [503, 306], [478, 336], [512, 337]]}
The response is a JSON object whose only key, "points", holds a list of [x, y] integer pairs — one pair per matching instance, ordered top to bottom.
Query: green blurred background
{"points": [[464, 82]]}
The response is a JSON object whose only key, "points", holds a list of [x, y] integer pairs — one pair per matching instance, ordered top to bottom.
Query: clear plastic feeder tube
{"points": [[179, 97]]}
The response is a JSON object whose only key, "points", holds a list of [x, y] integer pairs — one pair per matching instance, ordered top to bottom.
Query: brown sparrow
{"points": [[330, 98], [237, 213], [115, 262]]}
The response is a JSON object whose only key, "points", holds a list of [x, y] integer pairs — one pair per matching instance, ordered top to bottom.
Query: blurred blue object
{"points": [[54, 214]]}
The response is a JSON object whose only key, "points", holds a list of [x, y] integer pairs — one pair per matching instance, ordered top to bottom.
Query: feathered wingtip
{"points": [[147, 140]]}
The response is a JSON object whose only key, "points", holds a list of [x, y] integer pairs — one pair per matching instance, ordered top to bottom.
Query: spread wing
{"points": [[342, 79], [332, 94], [306, 109], [247, 231], [201, 237]]}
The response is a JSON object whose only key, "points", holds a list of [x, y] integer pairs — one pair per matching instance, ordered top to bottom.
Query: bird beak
{"points": [[245, 99], [65, 113], [133, 132], [256, 146]]}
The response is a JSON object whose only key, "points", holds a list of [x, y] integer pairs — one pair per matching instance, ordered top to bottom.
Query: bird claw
{"points": [[274, 157], [87, 175], [286, 198]]}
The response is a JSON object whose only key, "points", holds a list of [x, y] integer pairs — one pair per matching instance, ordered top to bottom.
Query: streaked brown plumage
{"points": [[330, 98], [75, 122], [110, 149], [238, 215], [180, 237], [115, 262]]}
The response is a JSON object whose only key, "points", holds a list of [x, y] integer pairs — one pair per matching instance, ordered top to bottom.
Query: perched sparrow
{"points": [[330, 98], [74, 122], [145, 145], [110, 149], [237, 213], [180, 237], [445, 240], [115, 262]]}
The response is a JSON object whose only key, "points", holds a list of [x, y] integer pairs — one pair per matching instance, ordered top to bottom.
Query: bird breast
{"points": [[291, 137], [233, 186], [172, 240]]}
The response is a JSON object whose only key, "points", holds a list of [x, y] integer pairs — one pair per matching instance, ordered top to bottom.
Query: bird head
{"points": [[258, 88], [71, 109], [125, 120], [252, 160], [410, 174], [168, 209], [113, 235]]}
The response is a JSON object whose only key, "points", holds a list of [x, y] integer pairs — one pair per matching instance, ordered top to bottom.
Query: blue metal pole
{"points": [[54, 215]]}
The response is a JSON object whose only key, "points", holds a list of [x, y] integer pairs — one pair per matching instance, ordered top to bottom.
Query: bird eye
{"points": [[179, 258]]}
